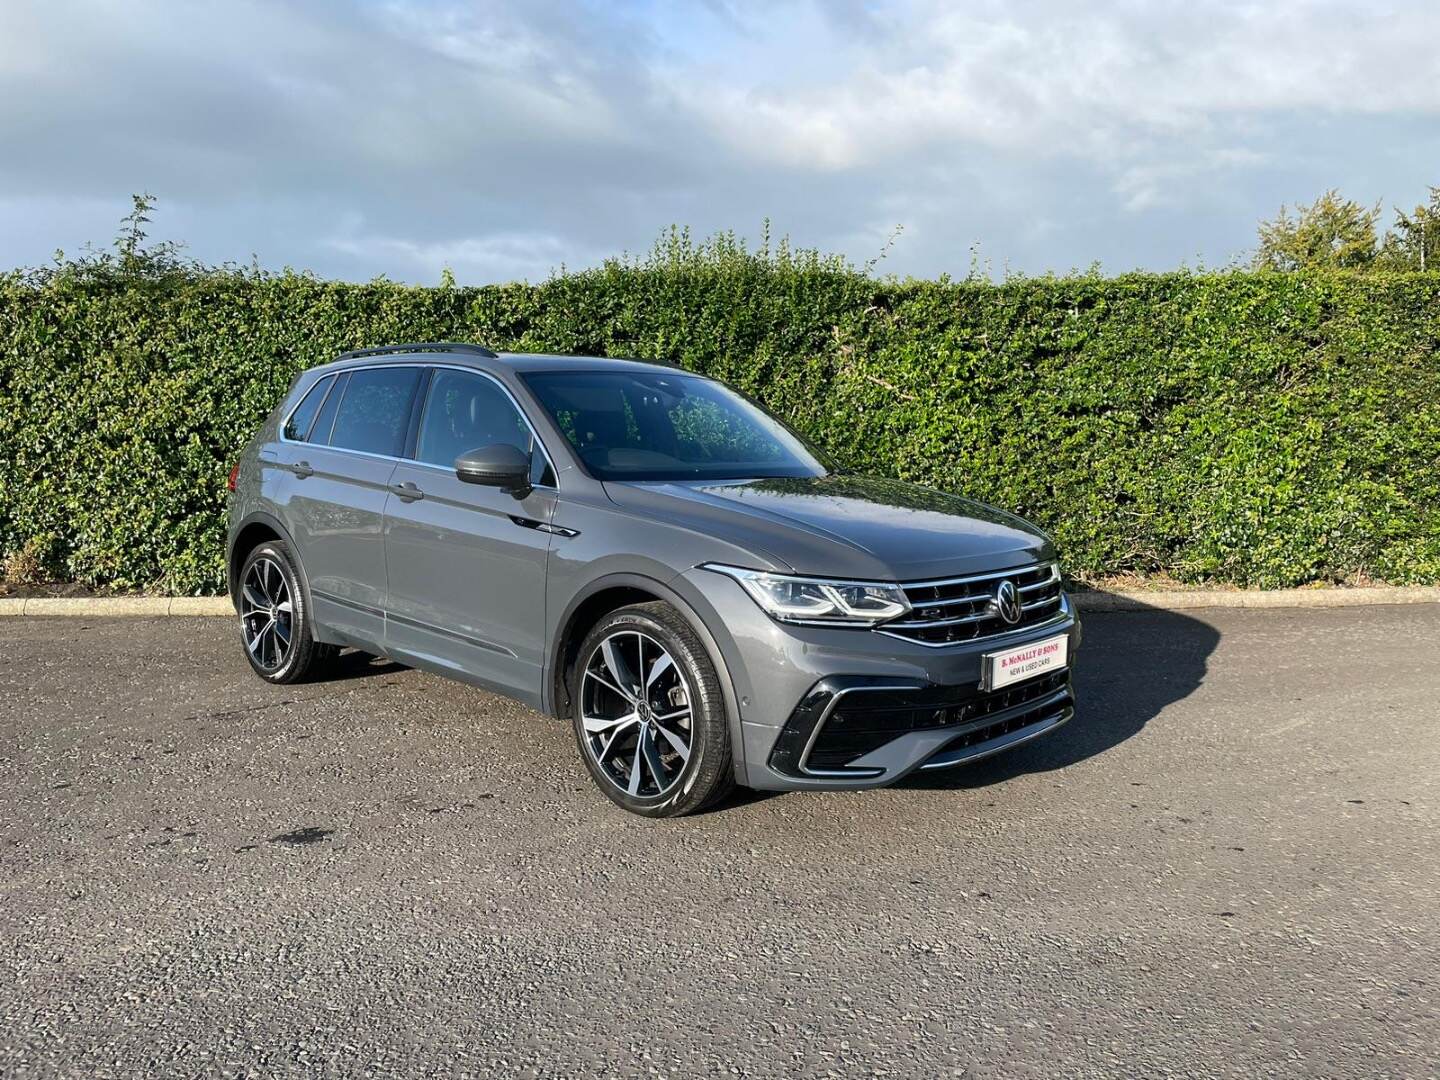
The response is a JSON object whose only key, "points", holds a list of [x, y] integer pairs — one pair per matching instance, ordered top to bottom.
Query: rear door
{"points": [[336, 506], [466, 563]]}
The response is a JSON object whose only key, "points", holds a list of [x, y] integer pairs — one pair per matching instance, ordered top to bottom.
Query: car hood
{"points": [[845, 526]]}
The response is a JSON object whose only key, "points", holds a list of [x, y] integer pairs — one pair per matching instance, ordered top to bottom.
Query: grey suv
{"points": [[653, 556]]}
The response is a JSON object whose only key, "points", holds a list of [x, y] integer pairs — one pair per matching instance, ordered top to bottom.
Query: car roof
{"points": [[485, 360], [554, 362]]}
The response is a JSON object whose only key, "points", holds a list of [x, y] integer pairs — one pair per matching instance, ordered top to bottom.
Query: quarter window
{"points": [[375, 410], [325, 422], [297, 428]]}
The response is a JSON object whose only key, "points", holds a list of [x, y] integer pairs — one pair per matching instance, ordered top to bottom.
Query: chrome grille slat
{"points": [[1051, 580], [968, 598], [971, 615], [911, 624]]}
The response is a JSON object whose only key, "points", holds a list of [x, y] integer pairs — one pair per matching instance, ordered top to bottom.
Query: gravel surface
{"points": [[1227, 865]]}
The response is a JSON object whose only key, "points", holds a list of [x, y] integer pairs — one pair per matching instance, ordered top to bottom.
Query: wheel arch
{"points": [[255, 529], [606, 594]]}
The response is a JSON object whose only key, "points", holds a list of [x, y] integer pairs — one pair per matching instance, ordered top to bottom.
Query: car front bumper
{"points": [[823, 708]]}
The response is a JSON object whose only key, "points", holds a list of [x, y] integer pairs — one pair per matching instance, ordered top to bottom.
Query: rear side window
{"points": [[375, 411], [297, 428], [320, 433]]}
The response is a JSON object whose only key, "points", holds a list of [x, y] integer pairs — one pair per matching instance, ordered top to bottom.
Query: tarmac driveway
{"points": [[1228, 864]]}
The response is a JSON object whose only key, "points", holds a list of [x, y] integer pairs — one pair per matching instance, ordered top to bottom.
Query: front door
{"points": [[466, 563]]}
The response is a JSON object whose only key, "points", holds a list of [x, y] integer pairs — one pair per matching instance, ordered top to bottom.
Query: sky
{"points": [[506, 139]]}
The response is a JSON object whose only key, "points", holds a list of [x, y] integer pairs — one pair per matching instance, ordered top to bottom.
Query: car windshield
{"points": [[658, 426]]}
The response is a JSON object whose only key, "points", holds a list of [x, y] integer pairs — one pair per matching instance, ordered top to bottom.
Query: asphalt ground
{"points": [[1227, 865]]}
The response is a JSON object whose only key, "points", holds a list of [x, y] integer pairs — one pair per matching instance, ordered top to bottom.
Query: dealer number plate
{"points": [[1000, 669]]}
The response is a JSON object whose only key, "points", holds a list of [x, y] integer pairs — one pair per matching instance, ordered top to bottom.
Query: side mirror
{"points": [[502, 466]]}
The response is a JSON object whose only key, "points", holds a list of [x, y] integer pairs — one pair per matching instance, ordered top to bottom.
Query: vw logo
{"points": [[1007, 602]]}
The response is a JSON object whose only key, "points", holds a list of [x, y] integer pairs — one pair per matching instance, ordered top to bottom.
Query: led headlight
{"points": [[819, 600]]}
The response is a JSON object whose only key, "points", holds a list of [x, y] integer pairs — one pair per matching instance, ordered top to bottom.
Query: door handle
{"points": [[302, 469], [407, 492]]}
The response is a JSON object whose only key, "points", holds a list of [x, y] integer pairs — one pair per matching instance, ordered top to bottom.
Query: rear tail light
{"points": [[234, 473]]}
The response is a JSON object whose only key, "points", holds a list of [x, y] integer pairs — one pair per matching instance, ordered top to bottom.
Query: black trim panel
{"points": [[417, 412], [543, 526], [353, 605], [416, 624], [455, 635], [896, 708], [1002, 739], [787, 757]]}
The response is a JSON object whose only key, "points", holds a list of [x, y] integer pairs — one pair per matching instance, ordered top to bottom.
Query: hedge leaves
{"points": [[1261, 429]]}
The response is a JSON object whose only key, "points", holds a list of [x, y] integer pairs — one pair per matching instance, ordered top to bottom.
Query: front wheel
{"points": [[274, 621], [649, 715]]}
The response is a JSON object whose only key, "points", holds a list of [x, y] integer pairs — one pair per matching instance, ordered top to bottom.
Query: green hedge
{"points": [[1261, 429]]}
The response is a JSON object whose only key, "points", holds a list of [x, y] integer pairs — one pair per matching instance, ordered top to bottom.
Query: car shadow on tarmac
{"points": [[353, 664], [1131, 665]]}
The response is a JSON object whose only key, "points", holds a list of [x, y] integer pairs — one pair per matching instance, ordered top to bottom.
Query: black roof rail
{"points": [[419, 347]]}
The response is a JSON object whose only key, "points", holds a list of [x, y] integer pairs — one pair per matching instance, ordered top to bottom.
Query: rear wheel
{"points": [[274, 620], [649, 715]]}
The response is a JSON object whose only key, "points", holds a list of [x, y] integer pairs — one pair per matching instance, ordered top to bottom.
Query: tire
{"points": [[275, 626], [640, 751]]}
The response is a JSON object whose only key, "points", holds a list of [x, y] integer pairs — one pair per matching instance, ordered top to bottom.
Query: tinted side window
{"points": [[375, 411], [466, 412], [297, 428], [320, 432], [542, 474]]}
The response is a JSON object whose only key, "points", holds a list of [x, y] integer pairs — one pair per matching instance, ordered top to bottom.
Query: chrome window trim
{"points": [[285, 421], [544, 450]]}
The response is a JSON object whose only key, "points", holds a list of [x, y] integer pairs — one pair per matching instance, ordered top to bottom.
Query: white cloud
{"points": [[1055, 77], [504, 137], [508, 256]]}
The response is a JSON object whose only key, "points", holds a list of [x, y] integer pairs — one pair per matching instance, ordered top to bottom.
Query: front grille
{"points": [[964, 609], [1019, 694], [1044, 706], [862, 722]]}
